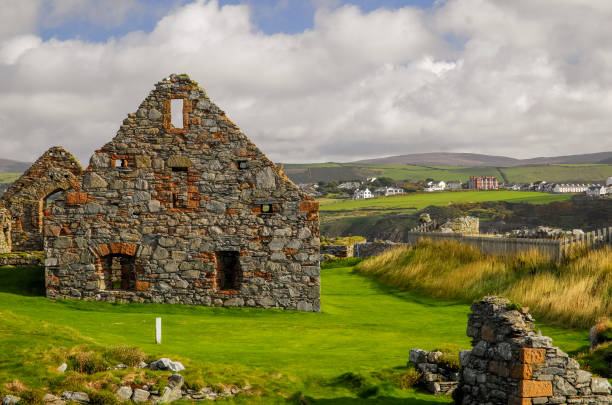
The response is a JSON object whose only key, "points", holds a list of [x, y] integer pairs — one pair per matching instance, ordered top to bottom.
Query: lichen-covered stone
{"points": [[56, 170], [195, 215]]}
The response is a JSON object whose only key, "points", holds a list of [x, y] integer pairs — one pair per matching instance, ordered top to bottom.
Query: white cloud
{"points": [[518, 78]]}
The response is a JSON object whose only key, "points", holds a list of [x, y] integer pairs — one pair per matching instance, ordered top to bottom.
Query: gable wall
{"points": [[173, 222]]}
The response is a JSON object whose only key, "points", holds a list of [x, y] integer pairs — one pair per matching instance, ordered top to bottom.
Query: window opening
{"points": [[176, 112], [121, 163], [242, 164], [179, 169], [51, 198], [175, 200], [266, 208], [119, 272], [228, 272]]}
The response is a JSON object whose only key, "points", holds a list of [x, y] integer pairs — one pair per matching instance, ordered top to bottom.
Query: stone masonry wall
{"points": [[56, 170], [193, 215], [5, 230], [368, 249], [337, 250], [510, 364]]}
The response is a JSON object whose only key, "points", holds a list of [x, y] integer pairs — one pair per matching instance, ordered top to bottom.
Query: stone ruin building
{"points": [[28, 199], [180, 207], [5, 230], [510, 364]]}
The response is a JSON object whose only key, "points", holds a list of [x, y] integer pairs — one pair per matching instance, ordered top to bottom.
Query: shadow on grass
{"points": [[26, 281], [372, 401]]}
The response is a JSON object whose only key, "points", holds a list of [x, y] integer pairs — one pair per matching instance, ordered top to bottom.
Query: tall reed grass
{"points": [[573, 293]]}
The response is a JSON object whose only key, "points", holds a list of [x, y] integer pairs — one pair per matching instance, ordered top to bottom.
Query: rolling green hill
{"points": [[565, 173]]}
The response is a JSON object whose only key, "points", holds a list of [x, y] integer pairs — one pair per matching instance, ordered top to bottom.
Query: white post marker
{"points": [[158, 330]]}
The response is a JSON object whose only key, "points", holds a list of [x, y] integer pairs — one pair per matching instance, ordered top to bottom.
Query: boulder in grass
{"points": [[166, 364], [124, 394], [80, 397], [10, 400]]}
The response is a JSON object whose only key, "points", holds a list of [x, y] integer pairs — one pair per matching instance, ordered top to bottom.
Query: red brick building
{"points": [[483, 183]]}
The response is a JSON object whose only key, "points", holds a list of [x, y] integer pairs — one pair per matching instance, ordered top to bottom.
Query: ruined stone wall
{"points": [[56, 170], [192, 215], [462, 225], [5, 230], [368, 249], [338, 250], [510, 364]]}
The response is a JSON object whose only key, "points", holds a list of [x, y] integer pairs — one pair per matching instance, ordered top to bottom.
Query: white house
{"points": [[609, 182], [433, 186], [570, 188], [387, 191], [596, 191], [362, 194]]}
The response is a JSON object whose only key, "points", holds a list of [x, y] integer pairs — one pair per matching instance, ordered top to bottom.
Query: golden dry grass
{"points": [[575, 293]]}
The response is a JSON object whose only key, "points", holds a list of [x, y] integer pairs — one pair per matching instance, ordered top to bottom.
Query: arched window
{"points": [[119, 272]]}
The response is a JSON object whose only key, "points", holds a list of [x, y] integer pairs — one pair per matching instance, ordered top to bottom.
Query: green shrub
{"points": [[130, 356], [599, 361], [88, 362], [407, 379], [368, 391], [102, 398]]}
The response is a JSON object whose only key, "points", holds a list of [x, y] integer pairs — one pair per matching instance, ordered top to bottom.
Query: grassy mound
{"points": [[575, 293]]}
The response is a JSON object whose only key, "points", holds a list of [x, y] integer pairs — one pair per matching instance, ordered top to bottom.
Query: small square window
{"points": [[242, 164], [266, 208]]}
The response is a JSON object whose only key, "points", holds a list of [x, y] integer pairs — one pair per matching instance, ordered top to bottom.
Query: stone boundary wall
{"points": [[498, 246], [368, 249], [337, 250], [21, 259], [509, 364], [437, 376]]}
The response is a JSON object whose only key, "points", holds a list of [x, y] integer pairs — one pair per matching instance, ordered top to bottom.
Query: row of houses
{"points": [[591, 190], [379, 192]]}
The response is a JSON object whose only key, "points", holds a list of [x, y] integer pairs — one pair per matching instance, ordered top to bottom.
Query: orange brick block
{"points": [[76, 198], [308, 206], [115, 248], [129, 249], [103, 250], [142, 285], [533, 356], [522, 371], [533, 388]]}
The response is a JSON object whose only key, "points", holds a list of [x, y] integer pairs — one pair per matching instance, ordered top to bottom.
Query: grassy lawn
{"points": [[9, 177], [418, 201], [364, 328]]}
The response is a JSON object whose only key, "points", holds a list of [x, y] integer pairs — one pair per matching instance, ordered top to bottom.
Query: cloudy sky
{"points": [[317, 80]]}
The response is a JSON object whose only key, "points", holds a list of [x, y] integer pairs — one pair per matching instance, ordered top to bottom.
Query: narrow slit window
{"points": [[176, 113], [242, 164], [228, 271]]}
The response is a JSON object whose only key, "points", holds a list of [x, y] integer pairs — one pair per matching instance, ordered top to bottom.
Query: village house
{"points": [[483, 183], [435, 186], [453, 186], [570, 188], [388, 191], [596, 191], [362, 194], [181, 207]]}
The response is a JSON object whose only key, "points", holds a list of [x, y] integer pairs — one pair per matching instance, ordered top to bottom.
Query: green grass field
{"points": [[306, 173], [9, 177], [418, 201], [364, 328]]}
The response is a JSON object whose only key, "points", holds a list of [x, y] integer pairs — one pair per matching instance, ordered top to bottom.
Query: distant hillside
{"points": [[473, 159], [13, 166]]}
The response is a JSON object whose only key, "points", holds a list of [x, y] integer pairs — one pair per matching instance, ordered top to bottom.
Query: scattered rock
{"points": [[142, 364], [166, 364], [62, 368], [437, 376], [124, 394], [139, 395], [80, 397], [50, 399], [10, 400]]}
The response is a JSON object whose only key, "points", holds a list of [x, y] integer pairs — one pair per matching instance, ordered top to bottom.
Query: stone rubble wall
{"points": [[54, 171], [169, 200], [462, 225], [5, 230], [368, 249], [337, 250], [22, 259], [510, 364], [437, 376]]}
